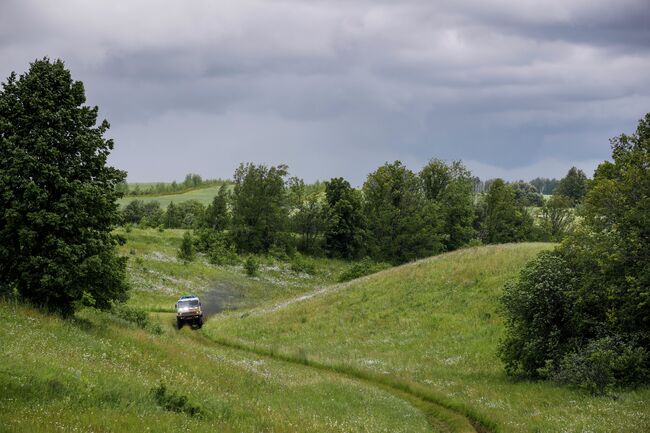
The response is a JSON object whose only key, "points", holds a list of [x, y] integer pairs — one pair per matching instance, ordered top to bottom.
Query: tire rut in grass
{"points": [[441, 417]]}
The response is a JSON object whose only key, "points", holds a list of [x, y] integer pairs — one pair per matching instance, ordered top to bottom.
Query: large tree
{"points": [[573, 185], [451, 187], [58, 194], [259, 207], [217, 215], [307, 215], [505, 220], [402, 224], [345, 227]]}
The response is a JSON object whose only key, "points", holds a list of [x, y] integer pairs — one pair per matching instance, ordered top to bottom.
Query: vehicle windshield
{"points": [[191, 303]]}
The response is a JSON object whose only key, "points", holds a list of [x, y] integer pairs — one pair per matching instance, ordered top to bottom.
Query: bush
{"points": [[217, 245], [186, 251], [222, 253], [302, 264], [251, 266], [362, 268], [136, 316], [538, 322], [603, 364], [174, 402]]}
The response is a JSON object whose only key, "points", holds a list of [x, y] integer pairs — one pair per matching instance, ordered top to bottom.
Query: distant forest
{"points": [[543, 185], [396, 216]]}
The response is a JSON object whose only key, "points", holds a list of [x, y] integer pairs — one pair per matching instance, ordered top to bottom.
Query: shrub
{"points": [[186, 251], [279, 252], [222, 253], [302, 264], [251, 266], [362, 268], [136, 316], [538, 322], [603, 364], [174, 402]]}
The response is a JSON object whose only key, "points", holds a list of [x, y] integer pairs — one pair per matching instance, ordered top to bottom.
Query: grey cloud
{"points": [[337, 88]]}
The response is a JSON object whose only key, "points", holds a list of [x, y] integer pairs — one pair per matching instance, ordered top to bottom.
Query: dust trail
{"points": [[220, 297]]}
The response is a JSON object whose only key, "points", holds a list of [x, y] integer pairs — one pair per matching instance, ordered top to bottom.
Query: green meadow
{"points": [[434, 324], [409, 349], [98, 373]]}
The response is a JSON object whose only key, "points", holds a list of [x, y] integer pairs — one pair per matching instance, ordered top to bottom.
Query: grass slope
{"points": [[203, 195], [157, 278], [434, 323], [96, 374]]}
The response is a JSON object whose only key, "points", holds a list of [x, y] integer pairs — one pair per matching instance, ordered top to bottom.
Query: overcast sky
{"points": [[514, 88]]}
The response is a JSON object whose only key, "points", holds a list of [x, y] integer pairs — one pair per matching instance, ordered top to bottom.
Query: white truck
{"points": [[188, 310]]}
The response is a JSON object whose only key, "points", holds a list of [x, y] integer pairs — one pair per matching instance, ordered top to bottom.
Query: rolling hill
{"points": [[203, 195], [435, 325], [99, 373]]}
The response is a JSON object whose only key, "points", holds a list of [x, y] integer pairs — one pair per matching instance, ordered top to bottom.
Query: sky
{"points": [[513, 88]]}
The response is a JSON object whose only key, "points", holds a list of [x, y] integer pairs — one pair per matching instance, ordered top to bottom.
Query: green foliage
{"points": [[192, 180], [544, 185], [573, 185], [451, 187], [57, 192], [526, 194], [260, 210], [148, 214], [188, 214], [217, 215], [308, 216], [556, 217], [504, 219], [402, 224], [345, 232], [186, 250], [222, 251], [302, 265], [251, 266], [364, 267], [136, 316], [538, 316], [585, 319], [603, 364], [174, 402]]}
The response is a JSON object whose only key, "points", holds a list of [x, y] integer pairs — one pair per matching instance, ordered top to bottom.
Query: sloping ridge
{"points": [[299, 330]]}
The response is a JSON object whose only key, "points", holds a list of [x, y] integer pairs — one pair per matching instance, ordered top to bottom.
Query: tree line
{"points": [[396, 216]]}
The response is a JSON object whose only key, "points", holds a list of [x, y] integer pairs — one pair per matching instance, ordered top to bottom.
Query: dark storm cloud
{"points": [[514, 88]]}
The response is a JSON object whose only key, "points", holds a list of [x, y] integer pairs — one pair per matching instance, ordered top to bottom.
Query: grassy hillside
{"points": [[203, 195], [158, 278], [434, 323], [96, 373]]}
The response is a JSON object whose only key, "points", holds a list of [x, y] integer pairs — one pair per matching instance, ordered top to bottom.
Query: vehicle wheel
{"points": [[199, 322], [179, 323]]}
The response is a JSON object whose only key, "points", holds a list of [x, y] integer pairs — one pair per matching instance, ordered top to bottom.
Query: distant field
{"points": [[203, 195], [435, 323]]}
